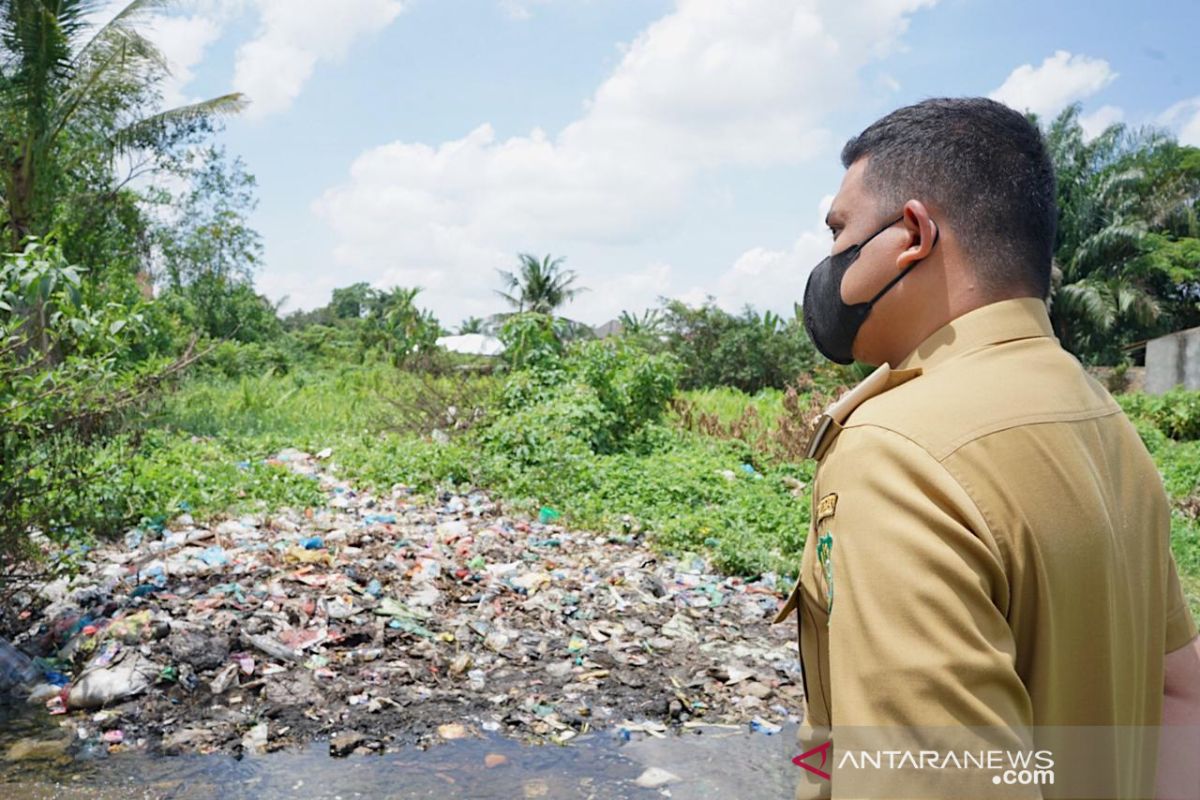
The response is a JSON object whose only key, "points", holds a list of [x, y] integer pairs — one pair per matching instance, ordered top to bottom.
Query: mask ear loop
{"points": [[936, 233]]}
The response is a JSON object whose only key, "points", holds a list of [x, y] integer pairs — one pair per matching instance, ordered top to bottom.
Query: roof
{"points": [[475, 344]]}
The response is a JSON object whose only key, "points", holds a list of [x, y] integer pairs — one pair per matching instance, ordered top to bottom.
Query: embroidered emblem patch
{"points": [[827, 506], [825, 557]]}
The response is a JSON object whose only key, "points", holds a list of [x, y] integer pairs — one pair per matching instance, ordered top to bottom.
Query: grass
{"points": [[205, 452]]}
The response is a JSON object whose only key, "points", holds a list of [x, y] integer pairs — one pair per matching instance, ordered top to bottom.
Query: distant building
{"points": [[611, 328], [475, 344], [1173, 360]]}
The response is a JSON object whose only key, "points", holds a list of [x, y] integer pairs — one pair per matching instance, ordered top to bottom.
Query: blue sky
{"points": [[664, 148]]}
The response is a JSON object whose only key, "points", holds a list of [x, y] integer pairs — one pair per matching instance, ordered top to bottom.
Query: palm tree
{"points": [[57, 70], [539, 286], [1102, 286], [648, 323], [395, 324], [471, 325]]}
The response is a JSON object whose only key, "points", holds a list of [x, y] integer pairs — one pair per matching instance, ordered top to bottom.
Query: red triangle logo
{"points": [[823, 749]]}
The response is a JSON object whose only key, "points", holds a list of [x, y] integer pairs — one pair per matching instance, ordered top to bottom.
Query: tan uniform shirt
{"points": [[989, 547]]}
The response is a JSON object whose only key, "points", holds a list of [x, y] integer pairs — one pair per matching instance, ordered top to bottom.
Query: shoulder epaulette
{"points": [[829, 424]]}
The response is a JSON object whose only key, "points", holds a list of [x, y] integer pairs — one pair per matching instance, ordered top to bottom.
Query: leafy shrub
{"points": [[220, 307], [532, 341], [748, 351], [234, 359], [64, 385], [600, 393], [1176, 413], [171, 471]]}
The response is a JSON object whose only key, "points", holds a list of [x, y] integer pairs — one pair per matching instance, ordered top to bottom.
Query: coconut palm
{"points": [[60, 72], [539, 286], [471, 325]]}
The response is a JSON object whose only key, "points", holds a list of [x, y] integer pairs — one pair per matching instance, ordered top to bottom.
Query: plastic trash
{"points": [[214, 556], [372, 597], [16, 668], [101, 686], [759, 725]]}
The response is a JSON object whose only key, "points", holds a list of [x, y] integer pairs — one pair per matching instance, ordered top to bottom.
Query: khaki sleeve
{"points": [[1181, 625], [921, 655]]}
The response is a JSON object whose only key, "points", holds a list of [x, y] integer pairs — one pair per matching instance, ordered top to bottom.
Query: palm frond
{"points": [[121, 25], [225, 105], [1108, 250], [1089, 301], [1136, 304]]}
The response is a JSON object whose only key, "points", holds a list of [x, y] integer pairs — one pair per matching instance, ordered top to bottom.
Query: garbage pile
{"points": [[378, 622]]}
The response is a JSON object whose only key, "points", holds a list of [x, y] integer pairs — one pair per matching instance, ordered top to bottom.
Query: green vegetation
{"points": [[1127, 260]]}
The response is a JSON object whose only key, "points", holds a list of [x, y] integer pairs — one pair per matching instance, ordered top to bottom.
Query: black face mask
{"points": [[830, 322]]}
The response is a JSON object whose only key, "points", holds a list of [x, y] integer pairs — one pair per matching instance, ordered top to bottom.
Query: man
{"points": [[989, 540]]}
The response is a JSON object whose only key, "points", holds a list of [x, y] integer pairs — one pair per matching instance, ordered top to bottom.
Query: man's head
{"points": [[969, 174]]}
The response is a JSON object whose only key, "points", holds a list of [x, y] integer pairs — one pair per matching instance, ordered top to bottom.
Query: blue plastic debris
{"points": [[214, 556], [758, 725]]}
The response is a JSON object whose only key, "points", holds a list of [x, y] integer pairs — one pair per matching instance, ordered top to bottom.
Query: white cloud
{"points": [[521, 9], [293, 37], [183, 41], [1061, 79], [714, 83], [1184, 119], [1094, 123], [774, 279], [632, 291]]}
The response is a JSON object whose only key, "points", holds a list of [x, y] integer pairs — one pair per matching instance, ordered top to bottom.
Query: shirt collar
{"points": [[1002, 321]]}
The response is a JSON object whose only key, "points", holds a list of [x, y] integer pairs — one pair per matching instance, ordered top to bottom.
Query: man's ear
{"points": [[922, 232]]}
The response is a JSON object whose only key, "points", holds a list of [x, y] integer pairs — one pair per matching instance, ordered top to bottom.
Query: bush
{"points": [[222, 308], [532, 341], [749, 351], [234, 359], [66, 382], [599, 393], [1176, 414]]}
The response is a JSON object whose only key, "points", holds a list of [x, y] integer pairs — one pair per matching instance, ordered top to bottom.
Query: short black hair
{"points": [[984, 167]]}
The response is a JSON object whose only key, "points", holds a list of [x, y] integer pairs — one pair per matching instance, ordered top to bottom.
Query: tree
{"points": [[57, 71], [73, 97], [208, 235], [1123, 267], [541, 287], [352, 302], [647, 324], [395, 325], [471, 325], [749, 351]]}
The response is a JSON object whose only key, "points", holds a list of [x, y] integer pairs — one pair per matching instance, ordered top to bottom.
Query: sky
{"points": [[679, 149]]}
